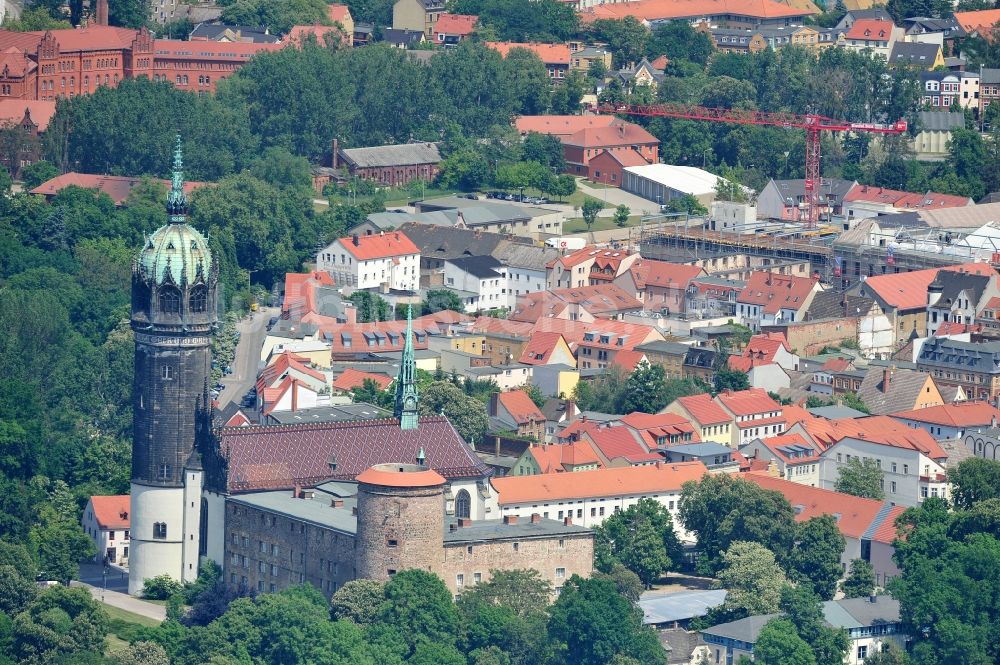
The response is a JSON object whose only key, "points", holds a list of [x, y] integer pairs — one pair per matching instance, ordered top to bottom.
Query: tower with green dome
{"points": [[174, 285]]}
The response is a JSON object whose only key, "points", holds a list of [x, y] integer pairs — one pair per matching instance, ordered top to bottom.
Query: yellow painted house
{"points": [[712, 421]]}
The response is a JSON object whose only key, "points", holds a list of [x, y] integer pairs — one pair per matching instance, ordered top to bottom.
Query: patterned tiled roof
{"points": [[283, 456]]}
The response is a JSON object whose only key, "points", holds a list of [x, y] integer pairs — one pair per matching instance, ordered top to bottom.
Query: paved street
{"points": [[615, 197], [252, 334], [126, 602]]}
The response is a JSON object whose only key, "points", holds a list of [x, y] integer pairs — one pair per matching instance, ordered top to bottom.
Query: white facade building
{"points": [[384, 261], [482, 278], [910, 475], [106, 521]]}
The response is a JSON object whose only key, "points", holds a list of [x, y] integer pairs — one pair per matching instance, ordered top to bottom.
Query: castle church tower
{"points": [[174, 282], [406, 383]]}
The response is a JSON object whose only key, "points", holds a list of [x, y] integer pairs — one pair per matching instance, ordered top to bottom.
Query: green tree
{"points": [[128, 13], [277, 15], [35, 19], [523, 20], [626, 39], [678, 40], [526, 77], [545, 149], [466, 170], [686, 204], [590, 208], [622, 213], [441, 299], [370, 306], [730, 379], [644, 390], [369, 392], [465, 413], [861, 478], [974, 480], [720, 510], [641, 537], [57, 539], [815, 558], [753, 578], [860, 581], [627, 582], [160, 587], [16, 590], [358, 600], [419, 605], [805, 610], [508, 613], [59, 623], [591, 624], [779, 644], [141, 653], [890, 654]]}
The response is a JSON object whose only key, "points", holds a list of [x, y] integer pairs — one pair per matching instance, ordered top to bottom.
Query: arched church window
{"points": [[199, 299], [170, 300], [463, 504], [203, 529]]}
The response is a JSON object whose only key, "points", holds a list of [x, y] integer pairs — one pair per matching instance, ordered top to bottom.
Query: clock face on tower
{"points": [[410, 403]]}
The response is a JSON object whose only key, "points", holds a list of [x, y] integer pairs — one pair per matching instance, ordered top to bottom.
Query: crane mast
{"points": [[812, 124]]}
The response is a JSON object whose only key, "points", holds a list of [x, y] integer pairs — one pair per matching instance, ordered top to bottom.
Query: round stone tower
{"points": [[174, 282], [400, 520]]}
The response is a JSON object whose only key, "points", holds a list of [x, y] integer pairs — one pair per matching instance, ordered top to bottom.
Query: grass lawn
{"points": [[576, 225], [123, 627]]}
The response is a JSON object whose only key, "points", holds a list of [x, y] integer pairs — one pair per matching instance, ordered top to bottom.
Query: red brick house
{"points": [[450, 29], [555, 57], [31, 116], [585, 145], [390, 165], [607, 167]]}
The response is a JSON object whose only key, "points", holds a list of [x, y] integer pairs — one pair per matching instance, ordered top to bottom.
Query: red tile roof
{"points": [[651, 10], [338, 13], [978, 21], [455, 24], [871, 29], [299, 34], [91, 38], [172, 49], [550, 54], [15, 62], [660, 63], [12, 110], [561, 125], [625, 134], [624, 157], [116, 186], [906, 200], [380, 246], [608, 257], [649, 273], [908, 290], [300, 292], [775, 292], [598, 300], [955, 328], [383, 336], [539, 349], [628, 360], [284, 362], [836, 365], [354, 378], [749, 402], [520, 407], [704, 409], [793, 413], [963, 414], [652, 426], [576, 428], [882, 430], [617, 441], [777, 444], [282, 456], [557, 458], [386, 477], [624, 481], [112, 512], [855, 515]]}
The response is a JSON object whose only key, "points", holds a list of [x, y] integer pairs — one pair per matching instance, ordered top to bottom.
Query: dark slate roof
{"points": [[874, 13], [213, 31], [401, 37], [913, 53], [989, 76], [940, 121], [403, 154], [792, 189], [992, 197], [439, 242], [523, 255], [477, 266], [954, 283], [829, 305], [663, 346], [697, 357], [904, 386], [554, 408], [835, 412], [330, 414], [282, 456], [489, 530], [744, 630]]}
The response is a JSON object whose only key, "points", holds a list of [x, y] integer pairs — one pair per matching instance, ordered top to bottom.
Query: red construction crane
{"points": [[813, 124]]}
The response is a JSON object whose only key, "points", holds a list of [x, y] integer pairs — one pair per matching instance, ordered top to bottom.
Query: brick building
{"points": [[555, 57], [66, 63], [586, 144], [390, 165], [391, 520]]}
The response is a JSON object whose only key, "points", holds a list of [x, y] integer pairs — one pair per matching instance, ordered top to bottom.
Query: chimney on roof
{"points": [[101, 14], [335, 158], [355, 240], [350, 313], [296, 491], [337, 503], [354, 510], [535, 518], [510, 519], [568, 521], [464, 522], [452, 527], [872, 598]]}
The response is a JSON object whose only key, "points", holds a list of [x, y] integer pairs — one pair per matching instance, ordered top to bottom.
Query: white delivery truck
{"points": [[566, 243]]}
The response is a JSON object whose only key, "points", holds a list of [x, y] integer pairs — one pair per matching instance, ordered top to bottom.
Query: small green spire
{"points": [[176, 200], [406, 384]]}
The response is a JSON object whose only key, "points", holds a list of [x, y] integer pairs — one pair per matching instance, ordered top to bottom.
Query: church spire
{"points": [[176, 200], [406, 383]]}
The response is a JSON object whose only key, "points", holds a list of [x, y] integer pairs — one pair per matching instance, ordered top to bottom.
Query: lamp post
{"points": [[104, 575]]}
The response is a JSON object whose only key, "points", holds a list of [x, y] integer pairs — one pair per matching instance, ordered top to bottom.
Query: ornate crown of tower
{"points": [[176, 200], [406, 383]]}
